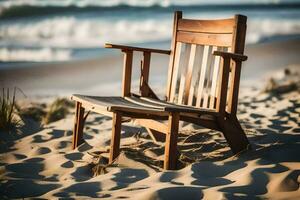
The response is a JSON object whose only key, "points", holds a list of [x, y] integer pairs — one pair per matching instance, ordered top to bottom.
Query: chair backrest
{"points": [[193, 77]]}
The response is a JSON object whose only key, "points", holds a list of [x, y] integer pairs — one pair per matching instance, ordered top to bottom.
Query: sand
{"points": [[40, 162]]}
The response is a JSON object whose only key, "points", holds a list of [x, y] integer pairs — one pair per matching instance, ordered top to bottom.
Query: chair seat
{"points": [[138, 105]]}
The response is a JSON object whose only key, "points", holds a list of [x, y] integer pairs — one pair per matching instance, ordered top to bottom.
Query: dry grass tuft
{"points": [[57, 110], [35, 112], [44, 114], [8, 117], [99, 164]]}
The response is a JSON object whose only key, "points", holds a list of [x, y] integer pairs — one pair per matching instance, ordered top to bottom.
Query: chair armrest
{"points": [[130, 48], [233, 56]]}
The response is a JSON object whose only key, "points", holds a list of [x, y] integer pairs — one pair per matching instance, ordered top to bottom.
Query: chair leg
{"points": [[78, 126], [234, 134], [116, 136], [171, 142]]}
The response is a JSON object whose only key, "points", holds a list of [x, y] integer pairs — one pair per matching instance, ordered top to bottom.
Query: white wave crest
{"points": [[85, 3], [134, 3], [259, 29], [68, 32], [71, 33], [37, 55]]}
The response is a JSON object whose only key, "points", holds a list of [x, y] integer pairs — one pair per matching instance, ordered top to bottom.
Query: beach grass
{"points": [[57, 110], [35, 112], [8, 119]]}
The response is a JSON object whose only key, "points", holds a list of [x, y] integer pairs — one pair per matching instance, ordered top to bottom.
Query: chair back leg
{"points": [[78, 126], [234, 134], [116, 136], [170, 161]]}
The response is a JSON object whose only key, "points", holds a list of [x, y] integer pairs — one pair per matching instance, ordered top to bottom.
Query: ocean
{"points": [[59, 31]]}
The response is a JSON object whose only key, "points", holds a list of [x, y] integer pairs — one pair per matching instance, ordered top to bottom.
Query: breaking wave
{"points": [[29, 8], [55, 37]]}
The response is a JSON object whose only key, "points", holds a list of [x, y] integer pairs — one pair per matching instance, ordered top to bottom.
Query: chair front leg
{"points": [[78, 126], [116, 136], [170, 161]]}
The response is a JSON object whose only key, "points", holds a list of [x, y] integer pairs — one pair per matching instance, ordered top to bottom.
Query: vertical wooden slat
{"points": [[177, 16], [206, 52], [127, 70], [175, 70], [183, 71], [189, 73], [145, 74], [195, 74], [208, 79], [181, 89], [213, 90], [191, 95], [116, 136], [171, 142]]}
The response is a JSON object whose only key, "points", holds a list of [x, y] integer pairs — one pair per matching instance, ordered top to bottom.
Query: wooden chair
{"points": [[202, 88]]}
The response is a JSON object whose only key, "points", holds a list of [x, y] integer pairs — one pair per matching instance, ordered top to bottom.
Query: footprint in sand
{"points": [[63, 144], [43, 150], [19, 156], [74, 156], [68, 164], [178, 193]]}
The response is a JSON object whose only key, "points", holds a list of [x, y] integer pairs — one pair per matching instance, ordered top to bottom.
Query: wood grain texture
{"points": [[177, 16], [207, 26], [224, 40], [238, 47], [131, 48], [206, 54], [233, 56], [145, 68], [127, 70], [175, 71], [183, 71], [189, 73], [195, 75], [208, 77], [181, 89], [222, 90], [213, 91], [152, 124], [78, 126], [116, 136], [170, 161]]}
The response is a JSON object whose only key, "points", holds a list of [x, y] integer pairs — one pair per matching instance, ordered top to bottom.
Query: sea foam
{"points": [[56, 36]]}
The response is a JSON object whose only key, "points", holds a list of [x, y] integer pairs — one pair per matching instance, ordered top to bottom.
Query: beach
{"points": [[50, 50], [41, 163]]}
